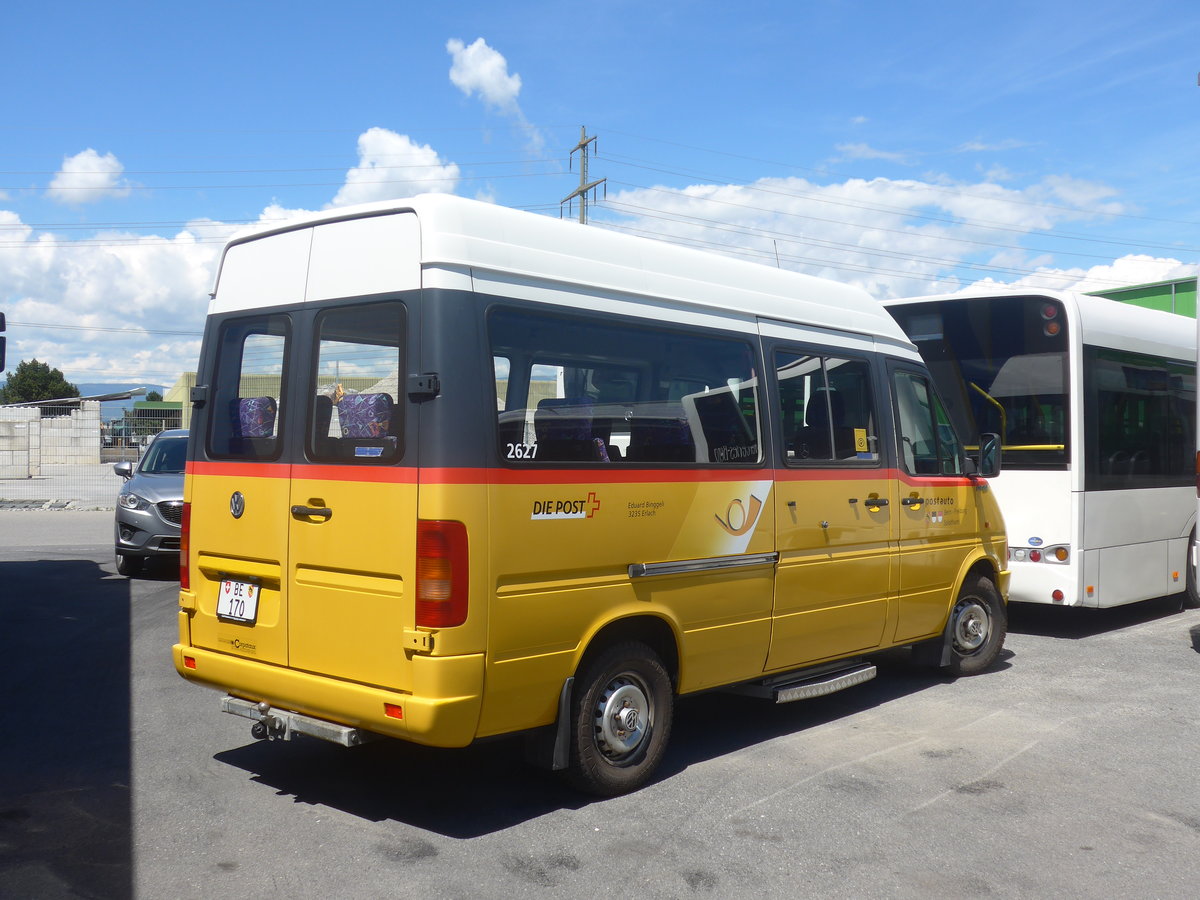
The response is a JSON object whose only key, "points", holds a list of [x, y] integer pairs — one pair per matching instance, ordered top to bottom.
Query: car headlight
{"points": [[132, 501]]}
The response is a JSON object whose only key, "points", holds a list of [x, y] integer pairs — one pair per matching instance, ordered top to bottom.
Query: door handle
{"points": [[911, 501], [877, 502], [322, 512]]}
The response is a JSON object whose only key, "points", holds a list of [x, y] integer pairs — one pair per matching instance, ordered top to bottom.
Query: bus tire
{"points": [[128, 565], [1191, 593], [977, 627], [620, 720]]}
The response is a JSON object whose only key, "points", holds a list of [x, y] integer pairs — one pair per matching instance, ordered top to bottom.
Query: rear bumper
{"points": [[442, 710]]}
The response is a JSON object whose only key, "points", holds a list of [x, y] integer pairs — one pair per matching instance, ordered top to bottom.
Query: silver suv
{"points": [[150, 505]]}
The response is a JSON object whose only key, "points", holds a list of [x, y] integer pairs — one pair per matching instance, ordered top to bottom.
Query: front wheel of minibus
{"points": [[977, 627], [620, 720]]}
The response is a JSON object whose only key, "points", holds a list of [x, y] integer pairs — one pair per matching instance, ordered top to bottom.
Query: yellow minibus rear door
{"points": [[237, 492], [352, 508]]}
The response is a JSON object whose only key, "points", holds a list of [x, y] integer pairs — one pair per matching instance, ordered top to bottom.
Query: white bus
{"points": [[1095, 403]]}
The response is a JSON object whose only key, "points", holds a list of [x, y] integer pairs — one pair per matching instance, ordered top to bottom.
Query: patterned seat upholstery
{"points": [[365, 415], [253, 417], [563, 426], [661, 440]]}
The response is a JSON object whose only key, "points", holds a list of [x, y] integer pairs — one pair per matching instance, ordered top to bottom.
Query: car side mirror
{"points": [[988, 465], [124, 469]]}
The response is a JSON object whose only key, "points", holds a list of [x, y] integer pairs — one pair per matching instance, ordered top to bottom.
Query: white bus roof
{"points": [[486, 246], [1101, 322]]}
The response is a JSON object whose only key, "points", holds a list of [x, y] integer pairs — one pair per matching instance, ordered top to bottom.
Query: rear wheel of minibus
{"points": [[620, 720]]}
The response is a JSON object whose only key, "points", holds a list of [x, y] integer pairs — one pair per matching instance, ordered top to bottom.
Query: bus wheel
{"points": [[1191, 594], [977, 627], [620, 720]]}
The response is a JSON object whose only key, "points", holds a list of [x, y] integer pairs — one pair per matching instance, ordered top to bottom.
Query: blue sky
{"points": [[904, 147]]}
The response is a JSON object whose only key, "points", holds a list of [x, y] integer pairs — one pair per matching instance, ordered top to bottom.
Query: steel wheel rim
{"points": [[971, 626], [623, 717]]}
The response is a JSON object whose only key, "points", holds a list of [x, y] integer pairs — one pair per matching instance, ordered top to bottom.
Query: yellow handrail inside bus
{"points": [[1000, 406], [1021, 446]]}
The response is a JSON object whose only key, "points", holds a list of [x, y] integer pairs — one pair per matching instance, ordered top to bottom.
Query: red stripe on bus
{"points": [[241, 469], [598, 475]]}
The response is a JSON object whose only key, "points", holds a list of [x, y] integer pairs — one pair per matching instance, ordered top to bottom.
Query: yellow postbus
{"points": [[459, 471]]}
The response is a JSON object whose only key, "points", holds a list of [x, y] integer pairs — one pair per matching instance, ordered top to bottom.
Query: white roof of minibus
{"points": [[473, 236], [1100, 321]]}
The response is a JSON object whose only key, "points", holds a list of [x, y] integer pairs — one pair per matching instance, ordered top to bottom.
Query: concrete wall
{"points": [[29, 440]]}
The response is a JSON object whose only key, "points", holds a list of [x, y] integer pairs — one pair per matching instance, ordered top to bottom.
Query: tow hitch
{"points": [[280, 724]]}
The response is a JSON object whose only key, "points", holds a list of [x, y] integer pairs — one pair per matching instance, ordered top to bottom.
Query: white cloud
{"points": [[478, 69], [483, 71], [983, 147], [865, 151], [391, 166], [88, 177], [892, 237], [1134, 268], [134, 283]]}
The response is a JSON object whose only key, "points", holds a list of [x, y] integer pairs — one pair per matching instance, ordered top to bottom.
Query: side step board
{"points": [[806, 685], [280, 724]]}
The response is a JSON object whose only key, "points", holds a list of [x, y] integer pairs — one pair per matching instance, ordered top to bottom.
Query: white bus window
{"points": [[1001, 366], [589, 390], [1141, 422]]}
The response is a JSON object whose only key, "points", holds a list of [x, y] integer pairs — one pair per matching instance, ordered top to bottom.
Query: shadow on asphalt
{"points": [[1073, 622], [488, 787], [65, 810]]}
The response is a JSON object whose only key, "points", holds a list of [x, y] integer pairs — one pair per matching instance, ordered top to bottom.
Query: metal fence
{"points": [[61, 454]]}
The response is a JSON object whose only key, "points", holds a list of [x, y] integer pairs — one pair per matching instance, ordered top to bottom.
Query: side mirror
{"points": [[989, 455], [124, 469]]}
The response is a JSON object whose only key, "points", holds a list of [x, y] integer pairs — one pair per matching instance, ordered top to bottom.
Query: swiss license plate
{"points": [[238, 601]]}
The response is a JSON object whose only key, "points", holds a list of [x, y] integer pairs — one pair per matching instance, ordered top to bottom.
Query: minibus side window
{"points": [[590, 390], [248, 404], [827, 409], [354, 413], [928, 444]]}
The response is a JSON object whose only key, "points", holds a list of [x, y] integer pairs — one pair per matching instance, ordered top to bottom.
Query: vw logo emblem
{"points": [[237, 505]]}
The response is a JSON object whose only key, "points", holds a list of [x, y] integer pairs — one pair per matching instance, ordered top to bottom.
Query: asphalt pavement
{"points": [[1065, 771]]}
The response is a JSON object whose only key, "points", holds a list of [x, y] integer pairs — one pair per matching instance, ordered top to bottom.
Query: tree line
{"points": [[32, 380]]}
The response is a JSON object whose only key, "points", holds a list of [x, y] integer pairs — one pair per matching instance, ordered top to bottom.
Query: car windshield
{"points": [[166, 456]]}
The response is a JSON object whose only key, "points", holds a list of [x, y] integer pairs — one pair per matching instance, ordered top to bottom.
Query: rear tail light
{"points": [[1050, 316], [185, 540], [1060, 554], [441, 574]]}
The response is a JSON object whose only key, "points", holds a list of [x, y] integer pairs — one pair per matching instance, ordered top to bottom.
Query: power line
{"points": [[104, 329]]}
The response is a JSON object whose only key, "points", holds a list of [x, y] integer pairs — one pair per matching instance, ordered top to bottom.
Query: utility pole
{"points": [[584, 186]]}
